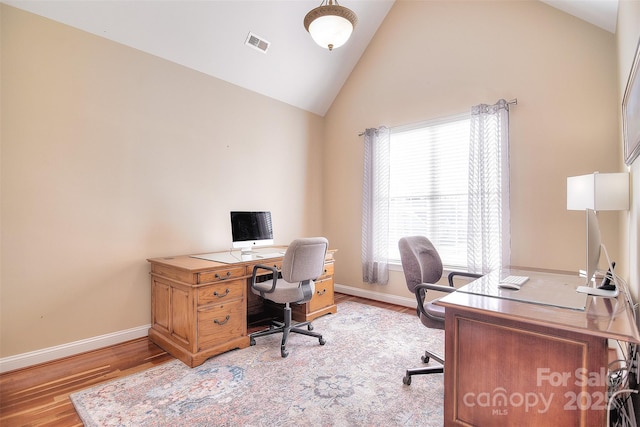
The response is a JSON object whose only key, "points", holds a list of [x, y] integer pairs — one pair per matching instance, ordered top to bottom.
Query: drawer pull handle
{"points": [[223, 278], [320, 293], [216, 294], [226, 319]]}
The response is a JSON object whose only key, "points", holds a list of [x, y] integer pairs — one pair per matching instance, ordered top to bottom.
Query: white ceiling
{"points": [[603, 13], [209, 36]]}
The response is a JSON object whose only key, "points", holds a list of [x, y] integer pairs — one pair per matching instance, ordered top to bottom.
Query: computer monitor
{"points": [[250, 229], [594, 247]]}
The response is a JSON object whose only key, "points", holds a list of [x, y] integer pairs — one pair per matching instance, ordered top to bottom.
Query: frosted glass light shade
{"points": [[330, 24], [330, 31], [598, 191]]}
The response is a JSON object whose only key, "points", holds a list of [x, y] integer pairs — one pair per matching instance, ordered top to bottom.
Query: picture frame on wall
{"points": [[631, 112]]}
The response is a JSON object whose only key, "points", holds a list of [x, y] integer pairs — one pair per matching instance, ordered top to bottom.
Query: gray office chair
{"points": [[303, 263], [422, 268]]}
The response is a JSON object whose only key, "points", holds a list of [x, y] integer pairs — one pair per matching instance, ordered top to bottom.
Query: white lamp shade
{"points": [[330, 31], [598, 191]]}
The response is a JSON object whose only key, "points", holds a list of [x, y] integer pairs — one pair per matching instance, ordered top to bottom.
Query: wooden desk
{"points": [[199, 308], [515, 363]]}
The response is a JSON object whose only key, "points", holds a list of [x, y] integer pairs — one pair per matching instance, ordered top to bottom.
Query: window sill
{"points": [[396, 266]]}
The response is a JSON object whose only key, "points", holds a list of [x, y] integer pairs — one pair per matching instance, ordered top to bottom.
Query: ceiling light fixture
{"points": [[330, 24]]}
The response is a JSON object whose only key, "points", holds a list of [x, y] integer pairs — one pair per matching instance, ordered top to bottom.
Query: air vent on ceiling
{"points": [[257, 43]]}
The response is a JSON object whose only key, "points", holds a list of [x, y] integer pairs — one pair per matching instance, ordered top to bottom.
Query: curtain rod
{"points": [[514, 101]]}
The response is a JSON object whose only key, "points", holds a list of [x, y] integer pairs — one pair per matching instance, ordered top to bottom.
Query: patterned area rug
{"points": [[355, 379]]}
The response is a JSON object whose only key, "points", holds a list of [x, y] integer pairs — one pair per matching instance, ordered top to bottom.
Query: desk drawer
{"points": [[267, 263], [327, 271], [220, 275], [221, 292], [323, 296], [221, 323]]}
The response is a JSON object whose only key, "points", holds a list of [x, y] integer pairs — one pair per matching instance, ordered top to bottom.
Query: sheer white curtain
{"points": [[375, 206], [489, 240]]}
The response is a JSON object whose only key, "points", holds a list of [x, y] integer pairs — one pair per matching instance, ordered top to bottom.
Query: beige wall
{"points": [[627, 38], [431, 59], [111, 156]]}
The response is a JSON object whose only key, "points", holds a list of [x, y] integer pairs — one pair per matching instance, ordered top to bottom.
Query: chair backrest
{"points": [[304, 259], [421, 262]]}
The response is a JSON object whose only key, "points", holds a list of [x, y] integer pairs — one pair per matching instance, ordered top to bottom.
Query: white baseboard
{"points": [[376, 296], [65, 350], [24, 360]]}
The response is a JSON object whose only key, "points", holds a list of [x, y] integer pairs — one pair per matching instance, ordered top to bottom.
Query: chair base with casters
{"points": [[286, 328], [436, 369]]}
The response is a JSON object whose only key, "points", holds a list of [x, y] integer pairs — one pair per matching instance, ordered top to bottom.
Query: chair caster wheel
{"points": [[309, 327], [322, 341], [283, 352], [425, 359], [406, 380]]}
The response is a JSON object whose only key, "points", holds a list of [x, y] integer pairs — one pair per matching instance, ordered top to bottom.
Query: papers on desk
{"points": [[556, 290]]}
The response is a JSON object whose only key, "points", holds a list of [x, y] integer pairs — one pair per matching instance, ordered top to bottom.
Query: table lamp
{"points": [[598, 191], [591, 193]]}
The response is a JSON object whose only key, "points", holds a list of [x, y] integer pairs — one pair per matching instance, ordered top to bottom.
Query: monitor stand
{"points": [[246, 254], [598, 292]]}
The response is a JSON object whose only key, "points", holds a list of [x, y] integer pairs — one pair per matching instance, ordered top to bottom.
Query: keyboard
{"points": [[265, 255], [513, 282]]}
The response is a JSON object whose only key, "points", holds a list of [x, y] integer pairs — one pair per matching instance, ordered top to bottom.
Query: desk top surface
{"points": [[227, 259], [606, 317]]}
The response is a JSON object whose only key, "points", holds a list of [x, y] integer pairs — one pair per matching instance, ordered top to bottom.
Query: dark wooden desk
{"points": [[199, 308], [512, 363]]}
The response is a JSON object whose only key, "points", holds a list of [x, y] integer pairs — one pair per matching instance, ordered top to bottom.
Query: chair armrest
{"points": [[274, 271], [462, 273], [429, 287], [434, 287]]}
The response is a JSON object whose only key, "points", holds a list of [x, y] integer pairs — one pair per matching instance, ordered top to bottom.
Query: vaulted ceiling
{"points": [[209, 36]]}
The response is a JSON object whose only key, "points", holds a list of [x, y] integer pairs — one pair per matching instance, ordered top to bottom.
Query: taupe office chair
{"points": [[303, 263], [422, 268]]}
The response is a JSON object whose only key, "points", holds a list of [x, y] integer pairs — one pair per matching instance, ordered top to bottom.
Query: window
{"points": [[446, 179], [429, 186]]}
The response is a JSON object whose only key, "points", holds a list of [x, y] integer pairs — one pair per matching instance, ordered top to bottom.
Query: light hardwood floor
{"points": [[39, 395]]}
